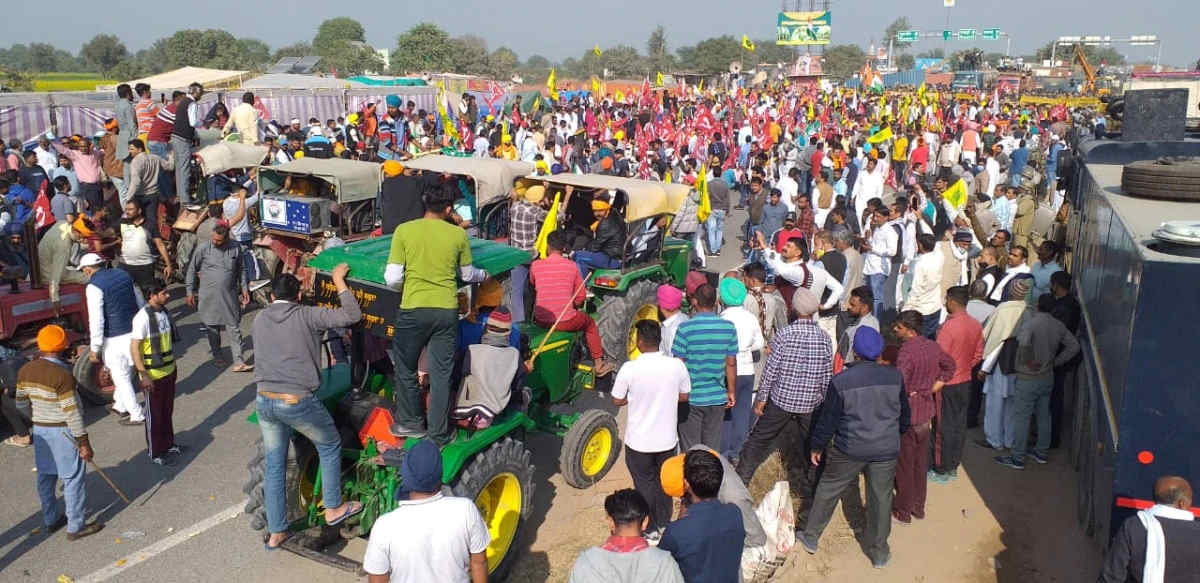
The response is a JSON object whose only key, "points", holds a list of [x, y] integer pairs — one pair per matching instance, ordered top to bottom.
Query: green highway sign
{"points": [[991, 33], [966, 34], [908, 35], [947, 35]]}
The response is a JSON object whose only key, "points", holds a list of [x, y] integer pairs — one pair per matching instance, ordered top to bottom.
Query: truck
{"points": [[1134, 414]]}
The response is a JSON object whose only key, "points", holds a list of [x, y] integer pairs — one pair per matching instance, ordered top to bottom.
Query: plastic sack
{"points": [[779, 521]]}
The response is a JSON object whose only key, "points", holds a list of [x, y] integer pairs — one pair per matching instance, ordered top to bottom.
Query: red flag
{"points": [[647, 96], [43, 216]]}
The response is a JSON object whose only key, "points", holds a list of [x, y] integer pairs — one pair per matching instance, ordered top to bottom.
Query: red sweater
{"points": [[556, 278], [961, 337], [922, 363]]}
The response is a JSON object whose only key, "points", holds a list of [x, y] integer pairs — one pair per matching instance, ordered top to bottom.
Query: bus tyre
{"points": [[1165, 178], [617, 315], [589, 448], [500, 481], [256, 508]]}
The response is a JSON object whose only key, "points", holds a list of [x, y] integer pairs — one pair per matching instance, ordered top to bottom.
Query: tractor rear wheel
{"points": [[618, 314], [92, 380], [589, 448], [500, 481], [297, 483]]}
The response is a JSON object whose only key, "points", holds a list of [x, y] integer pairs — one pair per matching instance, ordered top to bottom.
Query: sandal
{"points": [[243, 368], [352, 509], [267, 542]]}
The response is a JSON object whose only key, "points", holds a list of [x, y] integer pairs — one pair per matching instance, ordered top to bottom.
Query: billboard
{"points": [[803, 28]]}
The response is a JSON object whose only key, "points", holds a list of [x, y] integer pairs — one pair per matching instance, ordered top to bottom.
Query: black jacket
{"points": [[610, 237], [1127, 556]]}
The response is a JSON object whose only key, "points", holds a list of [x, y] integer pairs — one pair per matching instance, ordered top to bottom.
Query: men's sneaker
{"points": [[113, 409], [131, 422], [401, 431], [984, 443], [175, 449], [1039, 458], [162, 461], [1010, 462], [938, 477], [58, 524], [87, 530], [653, 537], [881, 562]]}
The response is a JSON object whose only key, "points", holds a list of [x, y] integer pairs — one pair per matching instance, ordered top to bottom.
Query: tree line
{"points": [[341, 44]]}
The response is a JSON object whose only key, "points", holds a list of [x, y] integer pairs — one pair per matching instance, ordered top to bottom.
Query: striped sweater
{"points": [[46, 390]]}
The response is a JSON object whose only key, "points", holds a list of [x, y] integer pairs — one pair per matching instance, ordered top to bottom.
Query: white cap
{"points": [[295, 121], [90, 260]]}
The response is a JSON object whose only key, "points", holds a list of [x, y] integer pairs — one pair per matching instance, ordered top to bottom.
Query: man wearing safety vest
{"points": [[153, 339]]}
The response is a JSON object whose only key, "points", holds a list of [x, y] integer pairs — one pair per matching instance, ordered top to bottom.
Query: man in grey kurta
{"points": [[127, 127], [222, 284]]}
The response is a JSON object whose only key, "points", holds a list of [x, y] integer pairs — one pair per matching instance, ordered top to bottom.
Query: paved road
{"points": [[185, 523]]}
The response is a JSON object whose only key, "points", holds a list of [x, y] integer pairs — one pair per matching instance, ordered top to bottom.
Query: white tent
{"points": [[181, 78]]}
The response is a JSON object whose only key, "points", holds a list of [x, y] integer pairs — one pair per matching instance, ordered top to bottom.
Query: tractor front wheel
{"points": [[589, 448], [500, 481], [297, 498]]}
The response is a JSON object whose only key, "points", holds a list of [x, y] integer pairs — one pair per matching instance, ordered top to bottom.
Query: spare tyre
{"points": [[1165, 179]]}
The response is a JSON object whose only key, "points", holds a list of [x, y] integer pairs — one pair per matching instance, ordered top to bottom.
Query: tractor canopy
{"points": [[493, 177], [351, 180], [643, 198]]}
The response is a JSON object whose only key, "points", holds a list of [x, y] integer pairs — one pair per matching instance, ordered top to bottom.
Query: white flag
{"points": [[948, 3]]}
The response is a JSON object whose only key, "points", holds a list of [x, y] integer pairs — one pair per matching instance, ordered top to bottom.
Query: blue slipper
{"points": [[355, 508], [267, 543]]}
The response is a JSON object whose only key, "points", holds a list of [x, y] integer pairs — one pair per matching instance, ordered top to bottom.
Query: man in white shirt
{"points": [[244, 120], [868, 185], [788, 187], [883, 244], [1017, 265], [795, 266], [925, 295], [670, 298], [112, 301], [750, 345], [652, 386], [429, 536]]}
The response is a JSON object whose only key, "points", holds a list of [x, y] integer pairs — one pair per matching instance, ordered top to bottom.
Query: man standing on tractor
{"points": [[525, 221], [138, 242], [54, 253], [427, 256], [217, 263], [560, 290], [112, 301], [151, 345], [708, 345], [289, 356], [46, 390], [429, 536]]}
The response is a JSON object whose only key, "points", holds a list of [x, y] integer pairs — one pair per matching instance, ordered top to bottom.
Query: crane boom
{"points": [[1088, 72]]}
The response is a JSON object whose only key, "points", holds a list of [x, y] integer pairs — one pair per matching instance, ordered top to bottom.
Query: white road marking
{"points": [[163, 545]]}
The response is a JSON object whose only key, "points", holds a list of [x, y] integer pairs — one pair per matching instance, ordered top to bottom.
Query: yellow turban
{"points": [[392, 168], [535, 193], [599, 205]]}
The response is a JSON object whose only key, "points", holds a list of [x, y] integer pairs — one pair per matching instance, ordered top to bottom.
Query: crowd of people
{"points": [[899, 283]]}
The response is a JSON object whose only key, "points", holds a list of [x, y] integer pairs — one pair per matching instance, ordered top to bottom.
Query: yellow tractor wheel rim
{"points": [[646, 312], [596, 451], [500, 505]]}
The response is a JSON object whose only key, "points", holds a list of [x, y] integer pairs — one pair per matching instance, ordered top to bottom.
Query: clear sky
{"points": [[562, 28]]}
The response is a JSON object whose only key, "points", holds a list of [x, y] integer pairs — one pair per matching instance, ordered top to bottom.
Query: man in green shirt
{"points": [[427, 257]]}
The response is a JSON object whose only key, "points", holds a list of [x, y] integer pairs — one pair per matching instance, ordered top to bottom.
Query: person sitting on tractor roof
{"points": [[605, 250], [559, 291]]}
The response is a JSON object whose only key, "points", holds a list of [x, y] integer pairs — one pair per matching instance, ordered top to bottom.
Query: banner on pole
{"points": [[803, 28]]}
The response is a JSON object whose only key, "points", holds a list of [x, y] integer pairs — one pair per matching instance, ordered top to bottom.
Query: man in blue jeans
{"points": [[718, 196], [883, 244], [608, 246], [1043, 343], [288, 359]]}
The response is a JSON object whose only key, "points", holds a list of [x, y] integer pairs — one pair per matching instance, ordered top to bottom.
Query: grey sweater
{"points": [[287, 343], [1038, 346], [596, 565]]}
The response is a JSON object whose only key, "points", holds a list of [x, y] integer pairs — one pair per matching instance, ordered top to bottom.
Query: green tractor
{"points": [[491, 465]]}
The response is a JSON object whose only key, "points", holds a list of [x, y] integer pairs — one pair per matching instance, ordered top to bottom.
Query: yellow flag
{"points": [[747, 43], [596, 50], [658, 79], [551, 85], [700, 87], [921, 91], [620, 97], [537, 100], [812, 114], [447, 123], [882, 135], [667, 177], [957, 194], [705, 208], [548, 226]]}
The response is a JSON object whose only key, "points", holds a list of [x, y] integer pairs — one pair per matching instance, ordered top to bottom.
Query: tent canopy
{"points": [[182, 77], [293, 81], [224, 156], [493, 177], [646, 198]]}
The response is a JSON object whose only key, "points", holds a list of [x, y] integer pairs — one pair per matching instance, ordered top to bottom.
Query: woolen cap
{"points": [[694, 280], [804, 302], [500, 319]]}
